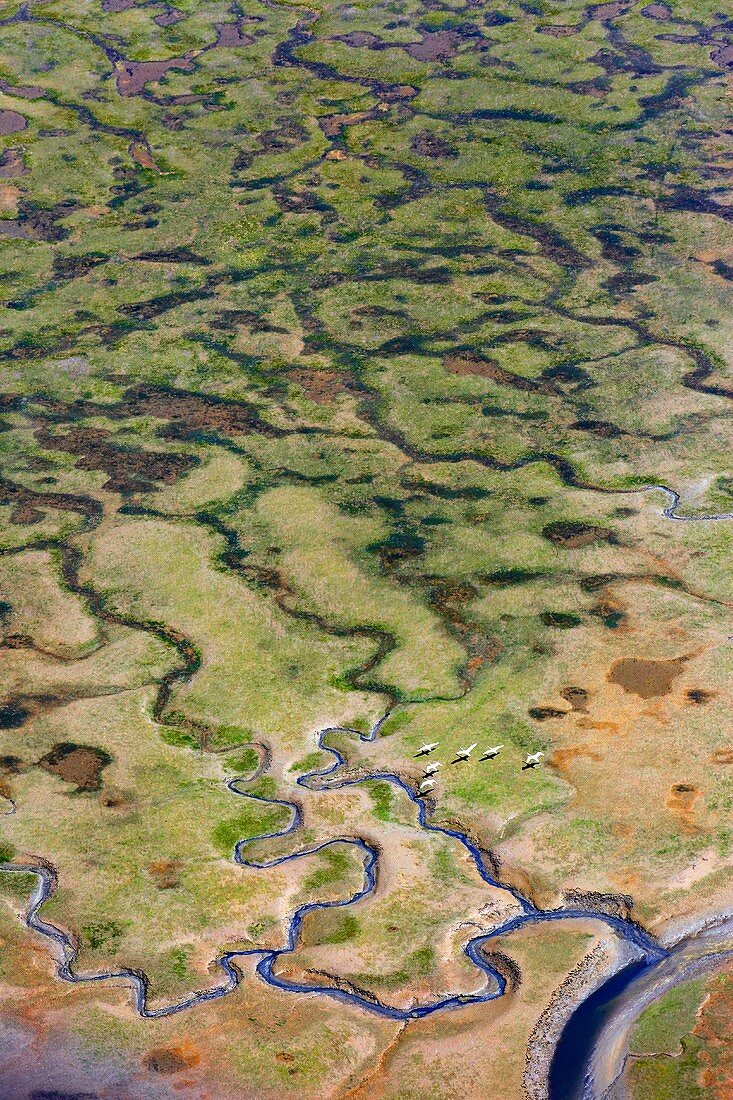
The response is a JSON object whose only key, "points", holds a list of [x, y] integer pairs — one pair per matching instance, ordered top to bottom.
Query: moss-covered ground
{"points": [[343, 349]]}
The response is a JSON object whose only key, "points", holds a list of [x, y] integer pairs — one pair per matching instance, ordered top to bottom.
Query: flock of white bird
{"points": [[531, 761]]}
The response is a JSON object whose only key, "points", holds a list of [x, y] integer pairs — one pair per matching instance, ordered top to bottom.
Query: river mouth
{"points": [[591, 1054], [569, 1077]]}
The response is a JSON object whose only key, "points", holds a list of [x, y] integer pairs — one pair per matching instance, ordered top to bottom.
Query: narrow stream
{"points": [[493, 985], [590, 1053]]}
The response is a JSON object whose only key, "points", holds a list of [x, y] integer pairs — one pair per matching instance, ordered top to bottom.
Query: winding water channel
{"points": [[583, 1029], [590, 1054]]}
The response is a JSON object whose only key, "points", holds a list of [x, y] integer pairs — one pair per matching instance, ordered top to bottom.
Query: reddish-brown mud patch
{"points": [[606, 11], [656, 11], [168, 17], [231, 35], [364, 40], [435, 46], [723, 55], [132, 76], [593, 88], [23, 91], [396, 92], [11, 122], [332, 125], [428, 144], [140, 153], [11, 164], [34, 224], [465, 363], [320, 386], [189, 412], [128, 470], [21, 499], [24, 514], [573, 535], [646, 678], [577, 697], [543, 714], [722, 756], [78, 764], [112, 798], [681, 801], [164, 873], [170, 1059]]}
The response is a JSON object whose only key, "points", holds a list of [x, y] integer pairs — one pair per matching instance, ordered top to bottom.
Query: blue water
{"points": [[573, 1050], [569, 1070]]}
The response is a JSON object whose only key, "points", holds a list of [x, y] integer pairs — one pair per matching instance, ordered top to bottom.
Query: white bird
{"points": [[425, 749], [491, 753], [463, 754], [533, 759], [432, 769], [425, 786]]}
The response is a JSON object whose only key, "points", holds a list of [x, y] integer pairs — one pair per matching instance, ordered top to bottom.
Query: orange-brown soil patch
{"points": [[332, 125], [140, 153], [465, 363], [320, 386], [646, 678], [577, 697], [590, 724], [722, 756], [560, 758], [78, 764], [114, 799], [681, 801], [164, 873], [714, 1028], [171, 1059]]}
